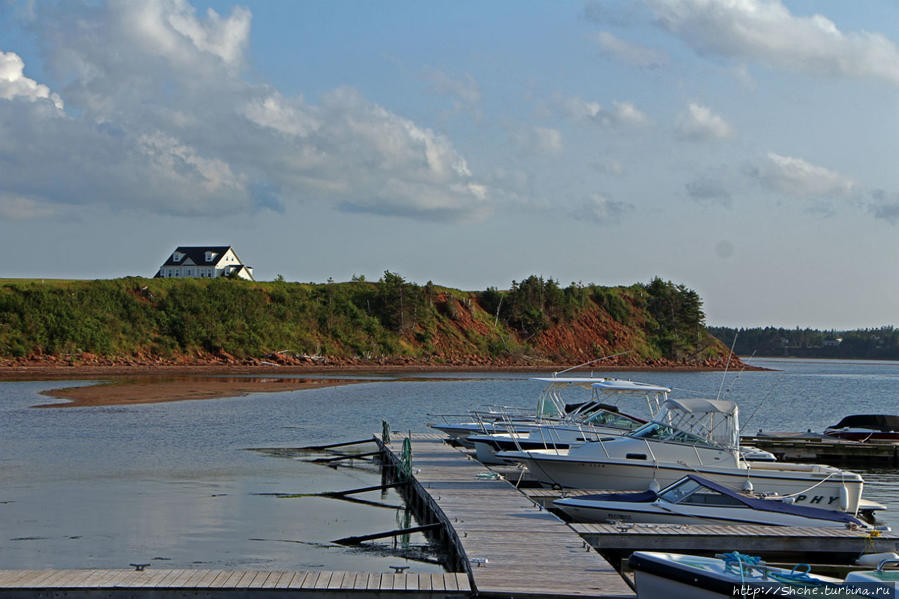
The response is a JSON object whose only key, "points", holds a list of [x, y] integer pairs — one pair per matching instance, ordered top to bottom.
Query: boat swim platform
{"points": [[510, 546], [225, 584]]}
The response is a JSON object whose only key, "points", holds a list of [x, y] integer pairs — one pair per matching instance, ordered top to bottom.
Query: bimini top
{"points": [[571, 380], [629, 386], [702, 406]]}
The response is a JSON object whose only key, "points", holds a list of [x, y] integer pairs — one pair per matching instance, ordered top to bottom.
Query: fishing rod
{"points": [[592, 361]]}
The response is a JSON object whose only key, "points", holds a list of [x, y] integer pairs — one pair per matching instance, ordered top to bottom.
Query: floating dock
{"points": [[811, 447], [510, 546], [224, 584]]}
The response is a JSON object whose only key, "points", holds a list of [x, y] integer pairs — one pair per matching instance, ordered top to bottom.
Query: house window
{"points": [[177, 256], [210, 256]]}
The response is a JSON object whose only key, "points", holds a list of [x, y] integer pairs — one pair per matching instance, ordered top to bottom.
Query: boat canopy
{"points": [[586, 381], [629, 386], [552, 405], [702, 406], [714, 421]]}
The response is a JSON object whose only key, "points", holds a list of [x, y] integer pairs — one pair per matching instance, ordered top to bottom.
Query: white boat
{"points": [[552, 408], [600, 417], [598, 420], [690, 436], [695, 500], [660, 575], [874, 579]]}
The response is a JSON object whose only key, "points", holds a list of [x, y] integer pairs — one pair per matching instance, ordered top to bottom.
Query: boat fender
{"points": [[654, 486], [747, 486], [844, 498], [873, 559]]}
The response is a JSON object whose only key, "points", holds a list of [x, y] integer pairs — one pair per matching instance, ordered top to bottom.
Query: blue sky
{"points": [[744, 148]]}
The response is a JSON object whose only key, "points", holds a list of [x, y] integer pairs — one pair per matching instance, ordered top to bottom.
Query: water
{"points": [[173, 483]]}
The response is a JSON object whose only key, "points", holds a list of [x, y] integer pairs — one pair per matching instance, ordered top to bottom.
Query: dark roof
{"points": [[197, 254], [879, 422]]}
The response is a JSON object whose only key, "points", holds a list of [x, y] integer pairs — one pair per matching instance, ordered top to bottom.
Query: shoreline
{"points": [[51, 368], [136, 383]]}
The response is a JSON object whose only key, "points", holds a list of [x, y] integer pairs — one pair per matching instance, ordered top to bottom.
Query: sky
{"points": [[744, 148]]}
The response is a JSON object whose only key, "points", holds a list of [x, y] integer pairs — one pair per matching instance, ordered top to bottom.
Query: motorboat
{"points": [[552, 408], [600, 417], [605, 421], [591, 422], [866, 427], [689, 436], [696, 500], [659, 575]]}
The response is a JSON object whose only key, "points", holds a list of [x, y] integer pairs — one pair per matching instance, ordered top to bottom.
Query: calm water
{"points": [[174, 484]]}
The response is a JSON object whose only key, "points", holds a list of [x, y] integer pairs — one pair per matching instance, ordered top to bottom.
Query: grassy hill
{"points": [[358, 321]]}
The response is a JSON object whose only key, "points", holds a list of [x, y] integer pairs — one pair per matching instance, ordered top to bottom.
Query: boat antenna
{"points": [[592, 361], [739, 374], [724, 377], [768, 396]]}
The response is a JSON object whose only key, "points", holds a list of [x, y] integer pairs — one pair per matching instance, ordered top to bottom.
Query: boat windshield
{"points": [[614, 420], [662, 432], [691, 492]]}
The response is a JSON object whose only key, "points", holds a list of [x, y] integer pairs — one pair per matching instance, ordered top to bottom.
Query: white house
{"points": [[204, 262]]}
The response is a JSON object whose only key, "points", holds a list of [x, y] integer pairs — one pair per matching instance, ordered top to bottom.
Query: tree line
{"points": [[875, 344]]}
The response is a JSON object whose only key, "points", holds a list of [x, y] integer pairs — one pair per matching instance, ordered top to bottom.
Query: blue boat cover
{"points": [[756, 503]]}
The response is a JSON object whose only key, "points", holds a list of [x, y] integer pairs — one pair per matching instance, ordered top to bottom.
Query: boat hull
{"points": [[615, 474], [664, 575]]}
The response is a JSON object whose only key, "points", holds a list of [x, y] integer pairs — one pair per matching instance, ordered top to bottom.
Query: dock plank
{"points": [[297, 581]]}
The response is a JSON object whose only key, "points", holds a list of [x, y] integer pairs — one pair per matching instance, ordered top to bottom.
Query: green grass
{"points": [[391, 317]]}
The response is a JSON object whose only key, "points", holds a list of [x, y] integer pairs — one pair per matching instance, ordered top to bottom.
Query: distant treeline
{"points": [[358, 318], [875, 344]]}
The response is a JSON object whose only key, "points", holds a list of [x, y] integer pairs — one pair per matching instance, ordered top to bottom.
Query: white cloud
{"points": [[170, 28], [765, 31], [629, 52], [14, 83], [465, 88], [275, 112], [625, 112], [622, 113], [164, 122], [699, 123], [538, 140], [796, 177]]}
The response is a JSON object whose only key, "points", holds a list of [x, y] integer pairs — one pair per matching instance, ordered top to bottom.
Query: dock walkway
{"points": [[514, 548], [226, 584]]}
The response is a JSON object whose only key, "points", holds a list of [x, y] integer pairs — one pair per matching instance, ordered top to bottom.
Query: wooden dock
{"points": [[809, 447], [775, 543], [511, 547], [225, 584]]}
